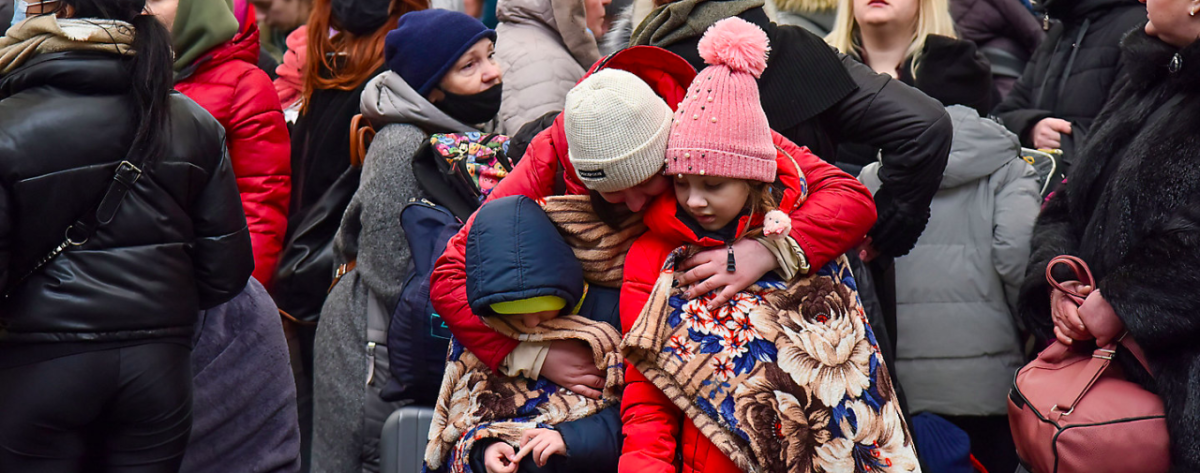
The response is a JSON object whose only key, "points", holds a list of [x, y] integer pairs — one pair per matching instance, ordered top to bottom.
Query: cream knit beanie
{"points": [[616, 129]]}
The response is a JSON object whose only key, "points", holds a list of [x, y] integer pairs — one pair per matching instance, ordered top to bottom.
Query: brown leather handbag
{"points": [[1072, 411]]}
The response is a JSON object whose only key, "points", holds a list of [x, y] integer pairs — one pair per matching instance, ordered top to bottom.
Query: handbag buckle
{"points": [[71, 240], [1104, 354], [1064, 414]]}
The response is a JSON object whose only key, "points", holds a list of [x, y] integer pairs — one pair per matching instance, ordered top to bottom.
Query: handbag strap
{"points": [[78, 233], [1078, 267], [1103, 355]]}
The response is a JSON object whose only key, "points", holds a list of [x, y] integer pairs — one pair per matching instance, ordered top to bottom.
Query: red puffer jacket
{"points": [[228, 83], [825, 227], [655, 429]]}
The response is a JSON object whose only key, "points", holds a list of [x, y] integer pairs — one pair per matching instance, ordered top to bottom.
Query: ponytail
{"points": [[150, 69], [153, 79]]}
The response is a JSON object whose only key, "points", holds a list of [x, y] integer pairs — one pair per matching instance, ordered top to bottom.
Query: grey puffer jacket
{"points": [[544, 48], [956, 291], [348, 418]]}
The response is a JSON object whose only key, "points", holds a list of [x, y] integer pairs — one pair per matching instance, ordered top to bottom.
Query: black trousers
{"points": [[123, 410]]}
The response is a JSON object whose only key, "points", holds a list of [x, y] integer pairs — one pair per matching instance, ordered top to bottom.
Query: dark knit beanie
{"points": [[360, 17], [427, 43]]}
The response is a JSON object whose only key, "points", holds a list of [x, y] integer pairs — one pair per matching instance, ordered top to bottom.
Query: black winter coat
{"points": [[1002, 24], [1071, 74], [819, 98], [321, 147], [1131, 210], [178, 243]]}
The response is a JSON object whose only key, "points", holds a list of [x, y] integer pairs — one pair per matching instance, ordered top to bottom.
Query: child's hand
{"points": [[542, 443], [500, 458]]}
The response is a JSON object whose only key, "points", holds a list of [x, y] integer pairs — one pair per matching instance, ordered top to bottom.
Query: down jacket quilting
{"points": [[544, 48], [227, 82], [177, 244], [956, 291]]}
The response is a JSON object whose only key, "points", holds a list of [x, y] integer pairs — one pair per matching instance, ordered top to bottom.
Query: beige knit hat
{"points": [[616, 129]]}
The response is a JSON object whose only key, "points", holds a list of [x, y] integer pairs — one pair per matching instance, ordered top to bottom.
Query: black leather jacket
{"points": [[179, 242]]}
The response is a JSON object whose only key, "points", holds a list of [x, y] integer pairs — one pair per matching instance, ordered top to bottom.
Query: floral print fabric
{"points": [[785, 377], [475, 403]]}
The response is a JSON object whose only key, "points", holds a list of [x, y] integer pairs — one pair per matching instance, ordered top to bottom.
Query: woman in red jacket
{"points": [[216, 66], [828, 225], [755, 384]]}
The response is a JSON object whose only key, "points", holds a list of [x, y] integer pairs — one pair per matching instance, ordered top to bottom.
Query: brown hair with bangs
{"points": [[344, 61]]}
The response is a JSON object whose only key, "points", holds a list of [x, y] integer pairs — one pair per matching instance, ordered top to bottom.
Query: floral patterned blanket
{"points": [[787, 377], [475, 403]]}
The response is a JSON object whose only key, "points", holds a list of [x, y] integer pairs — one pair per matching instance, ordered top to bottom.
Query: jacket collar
{"points": [[243, 47], [1149, 60], [84, 72], [666, 218]]}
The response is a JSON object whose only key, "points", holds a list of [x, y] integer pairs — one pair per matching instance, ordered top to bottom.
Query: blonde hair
{"points": [[933, 18]]}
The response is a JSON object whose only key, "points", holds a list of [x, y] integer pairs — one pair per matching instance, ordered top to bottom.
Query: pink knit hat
{"points": [[720, 128]]}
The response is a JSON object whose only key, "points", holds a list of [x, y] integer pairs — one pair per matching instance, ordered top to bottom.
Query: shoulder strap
{"points": [[78, 233]]}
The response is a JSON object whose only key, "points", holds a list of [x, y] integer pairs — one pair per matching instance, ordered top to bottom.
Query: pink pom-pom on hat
{"points": [[737, 44], [720, 128]]}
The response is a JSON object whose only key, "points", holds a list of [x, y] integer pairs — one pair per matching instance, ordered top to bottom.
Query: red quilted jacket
{"points": [[228, 83], [825, 227], [655, 429]]}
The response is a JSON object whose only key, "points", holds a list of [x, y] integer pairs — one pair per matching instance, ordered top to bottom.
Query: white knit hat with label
{"points": [[616, 129]]}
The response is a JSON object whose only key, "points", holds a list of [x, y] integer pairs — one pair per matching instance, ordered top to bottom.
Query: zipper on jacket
{"points": [[1045, 22], [370, 362]]}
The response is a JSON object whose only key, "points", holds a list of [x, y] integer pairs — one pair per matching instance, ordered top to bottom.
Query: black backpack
{"points": [[417, 338]]}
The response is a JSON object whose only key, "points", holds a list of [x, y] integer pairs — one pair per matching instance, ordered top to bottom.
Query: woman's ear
{"points": [[435, 96]]}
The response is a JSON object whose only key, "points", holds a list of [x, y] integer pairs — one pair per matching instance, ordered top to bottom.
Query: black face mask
{"points": [[360, 17], [471, 109]]}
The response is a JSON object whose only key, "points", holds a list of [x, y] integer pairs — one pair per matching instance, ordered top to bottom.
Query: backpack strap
{"points": [[361, 136]]}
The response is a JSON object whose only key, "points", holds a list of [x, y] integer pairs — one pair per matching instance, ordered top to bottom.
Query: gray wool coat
{"points": [[956, 292], [348, 418]]}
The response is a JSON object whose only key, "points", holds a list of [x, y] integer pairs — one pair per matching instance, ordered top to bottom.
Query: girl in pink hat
{"points": [[786, 376]]}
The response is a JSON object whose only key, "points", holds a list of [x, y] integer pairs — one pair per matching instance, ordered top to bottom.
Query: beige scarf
{"points": [[48, 34]]}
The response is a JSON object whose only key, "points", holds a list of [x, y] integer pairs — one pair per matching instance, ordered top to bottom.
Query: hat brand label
{"points": [[597, 174]]}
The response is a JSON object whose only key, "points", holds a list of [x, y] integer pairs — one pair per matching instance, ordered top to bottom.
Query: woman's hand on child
{"points": [[706, 270], [570, 364], [541, 443], [500, 458]]}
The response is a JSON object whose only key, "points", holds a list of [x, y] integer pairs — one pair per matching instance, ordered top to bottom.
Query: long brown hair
{"points": [[344, 61]]}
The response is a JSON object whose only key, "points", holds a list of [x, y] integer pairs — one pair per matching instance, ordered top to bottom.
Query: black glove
{"points": [[898, 227]]}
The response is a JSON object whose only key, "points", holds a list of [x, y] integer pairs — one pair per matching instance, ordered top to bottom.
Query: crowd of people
{"points": [[587, 235]]}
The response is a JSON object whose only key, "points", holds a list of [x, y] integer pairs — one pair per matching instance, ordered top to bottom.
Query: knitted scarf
{"points": [[679, 20], [47, 34], [787, 377], [475, 403]]}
